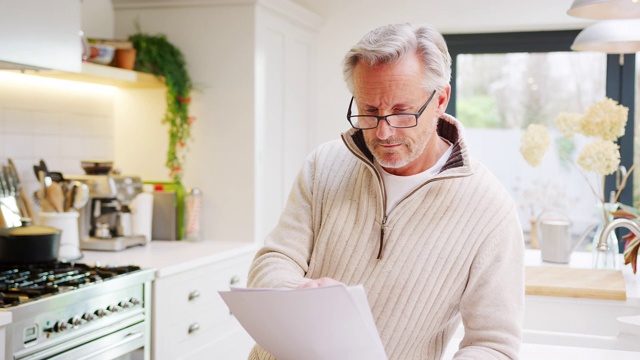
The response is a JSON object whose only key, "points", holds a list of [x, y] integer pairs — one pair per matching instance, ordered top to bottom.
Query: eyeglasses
{"points": [[402, 120]]}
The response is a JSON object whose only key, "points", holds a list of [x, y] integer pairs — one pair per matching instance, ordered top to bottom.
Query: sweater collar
{"points": [[448, 128]]}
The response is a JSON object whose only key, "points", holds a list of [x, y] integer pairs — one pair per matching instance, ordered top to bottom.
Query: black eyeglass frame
{"points": [[384, 117]]}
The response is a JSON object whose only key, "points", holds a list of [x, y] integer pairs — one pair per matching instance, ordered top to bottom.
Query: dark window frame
{"points": [[620, 83]]}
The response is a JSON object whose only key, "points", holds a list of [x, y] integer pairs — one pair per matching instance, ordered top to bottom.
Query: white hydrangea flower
{"points": [[605, 119], [568, 123], [534, 143], [601, 156]]}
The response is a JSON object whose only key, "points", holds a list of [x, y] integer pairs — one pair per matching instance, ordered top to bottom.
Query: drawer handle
{"points": [[234, 280], [194, 294], [194, 327]]}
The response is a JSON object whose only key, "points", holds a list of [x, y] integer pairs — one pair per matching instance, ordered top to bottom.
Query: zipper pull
{"points": [[384, 221]]}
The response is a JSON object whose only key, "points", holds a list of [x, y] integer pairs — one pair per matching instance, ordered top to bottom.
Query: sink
{"points": [[571, 315], [561, 328]]}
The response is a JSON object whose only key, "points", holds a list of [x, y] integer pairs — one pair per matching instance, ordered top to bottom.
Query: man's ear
{"points": [[443, 100]]}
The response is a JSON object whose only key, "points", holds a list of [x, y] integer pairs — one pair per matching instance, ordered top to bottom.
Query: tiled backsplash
{"points": [[58, 121]]}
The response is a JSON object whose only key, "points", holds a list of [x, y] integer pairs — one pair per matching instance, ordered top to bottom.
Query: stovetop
{"points": [[20, 283]]}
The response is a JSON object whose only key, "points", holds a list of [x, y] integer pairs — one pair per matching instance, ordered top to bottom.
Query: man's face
{"points": [[396, 88]]}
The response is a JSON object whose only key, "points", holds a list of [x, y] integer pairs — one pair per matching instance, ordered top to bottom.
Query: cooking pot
{"points": [[29, 244]]}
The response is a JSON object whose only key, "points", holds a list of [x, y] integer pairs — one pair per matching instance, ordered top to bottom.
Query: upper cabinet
{"points": [[40, 34], [42, 37]]}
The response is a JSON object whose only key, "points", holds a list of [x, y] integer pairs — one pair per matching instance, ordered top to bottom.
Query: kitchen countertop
{"points": [[170, 257], [582, 259]]}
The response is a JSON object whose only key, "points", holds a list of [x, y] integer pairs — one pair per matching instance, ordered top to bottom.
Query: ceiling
{"points": [[463, 15], [449, 16]]}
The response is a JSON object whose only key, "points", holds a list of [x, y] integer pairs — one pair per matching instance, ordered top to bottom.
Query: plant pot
{"points": [[125, 58]]}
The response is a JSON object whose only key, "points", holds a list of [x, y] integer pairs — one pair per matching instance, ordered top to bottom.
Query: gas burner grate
{"points": [[24, 283]]}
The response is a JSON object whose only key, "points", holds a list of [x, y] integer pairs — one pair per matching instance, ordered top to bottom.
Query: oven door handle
{"points": [[131, 337], [127, 339]]}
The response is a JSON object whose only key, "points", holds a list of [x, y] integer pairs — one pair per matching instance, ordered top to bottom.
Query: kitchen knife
{"points": [[4, 189], [22, 196], [11, 210]]}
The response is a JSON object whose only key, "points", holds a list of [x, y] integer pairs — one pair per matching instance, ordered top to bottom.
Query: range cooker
{"points": [[76, 311]]}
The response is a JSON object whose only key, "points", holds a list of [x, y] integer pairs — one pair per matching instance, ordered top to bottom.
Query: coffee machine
{"points": [[105, 222]]}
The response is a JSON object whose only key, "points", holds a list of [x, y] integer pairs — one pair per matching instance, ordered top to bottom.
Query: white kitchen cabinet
{"points": [[40, 34], [5, 319], [191, 321]]}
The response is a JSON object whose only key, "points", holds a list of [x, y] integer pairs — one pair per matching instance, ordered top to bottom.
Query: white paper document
{"points": [[323, 323]]}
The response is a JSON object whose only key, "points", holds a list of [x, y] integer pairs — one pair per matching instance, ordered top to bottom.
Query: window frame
{"points": [[620, 81]]}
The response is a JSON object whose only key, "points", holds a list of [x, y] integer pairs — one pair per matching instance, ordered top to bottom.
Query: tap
{"points": [[625, 223]]}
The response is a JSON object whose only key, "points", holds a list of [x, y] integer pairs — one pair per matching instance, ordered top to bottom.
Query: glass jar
{"points": [[192, 218]]}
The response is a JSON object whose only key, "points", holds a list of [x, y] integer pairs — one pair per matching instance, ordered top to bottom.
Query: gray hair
{"points": [[390, 43]]}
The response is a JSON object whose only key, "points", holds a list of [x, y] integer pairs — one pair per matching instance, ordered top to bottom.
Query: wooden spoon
{"points": [[55, 196]]}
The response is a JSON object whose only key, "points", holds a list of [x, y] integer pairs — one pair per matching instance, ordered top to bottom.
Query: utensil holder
{"points": [[67, 222]]}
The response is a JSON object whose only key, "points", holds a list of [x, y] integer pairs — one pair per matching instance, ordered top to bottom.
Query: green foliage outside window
{"points": [[478, 112]]}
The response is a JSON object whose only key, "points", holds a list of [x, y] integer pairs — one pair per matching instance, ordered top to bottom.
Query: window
{"points": [[504, 82]]}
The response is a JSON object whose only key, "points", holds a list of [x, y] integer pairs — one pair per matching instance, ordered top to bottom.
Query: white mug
{"points": [[556, 243]]}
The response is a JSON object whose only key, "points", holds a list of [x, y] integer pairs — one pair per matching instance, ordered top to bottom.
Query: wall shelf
{"points": [[104, 75]]}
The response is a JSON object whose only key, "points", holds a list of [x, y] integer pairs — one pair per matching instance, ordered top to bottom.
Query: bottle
{"points": [[193, 207]]}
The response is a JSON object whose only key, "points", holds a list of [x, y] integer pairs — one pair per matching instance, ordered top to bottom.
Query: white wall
{"points": [[217, 42], [62, 122]]}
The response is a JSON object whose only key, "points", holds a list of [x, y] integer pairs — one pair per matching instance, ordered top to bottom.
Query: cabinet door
{"points": [[40, 33], [284, 88], [189, 316]]}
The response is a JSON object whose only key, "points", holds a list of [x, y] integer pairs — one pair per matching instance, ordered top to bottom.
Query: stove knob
{"points": [[134, 301], [125, 304], [114, 308], [101, 313], [88, 316], [76, 321], [61, 326]]}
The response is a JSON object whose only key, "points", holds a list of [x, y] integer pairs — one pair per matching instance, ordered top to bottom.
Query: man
{"points": [[400, 206]]}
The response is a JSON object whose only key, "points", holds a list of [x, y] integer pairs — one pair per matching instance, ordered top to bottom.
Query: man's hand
{"points": [[325, 281]]}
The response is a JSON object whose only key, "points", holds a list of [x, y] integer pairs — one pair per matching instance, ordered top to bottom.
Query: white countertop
{"points": [[170, 257]]}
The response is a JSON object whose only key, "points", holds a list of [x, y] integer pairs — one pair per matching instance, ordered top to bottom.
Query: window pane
{"points": [[499, 95]]}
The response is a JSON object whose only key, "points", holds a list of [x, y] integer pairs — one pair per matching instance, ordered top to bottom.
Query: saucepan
{"points": [[28, 244]]}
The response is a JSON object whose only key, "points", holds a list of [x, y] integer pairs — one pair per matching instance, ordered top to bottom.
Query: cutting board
{"points": [[577, 283]]}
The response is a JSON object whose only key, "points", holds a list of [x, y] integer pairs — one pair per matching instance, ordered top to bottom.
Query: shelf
{"points": [[105, 75]]}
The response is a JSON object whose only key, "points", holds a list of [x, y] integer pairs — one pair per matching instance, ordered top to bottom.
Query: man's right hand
{"points": [[325, 281]]}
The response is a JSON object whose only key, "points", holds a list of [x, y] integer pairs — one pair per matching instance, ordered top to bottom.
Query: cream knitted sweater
{"points": [[451, 250]]}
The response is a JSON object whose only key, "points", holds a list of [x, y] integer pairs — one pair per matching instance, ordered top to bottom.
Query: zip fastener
{"points": [[423, 184], [382, 193], [384, 197], [384, 221]]}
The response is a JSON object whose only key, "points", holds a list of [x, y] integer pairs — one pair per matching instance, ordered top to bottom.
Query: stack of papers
{"points": [[324, 323]]}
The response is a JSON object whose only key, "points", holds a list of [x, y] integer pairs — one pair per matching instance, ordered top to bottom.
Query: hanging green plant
{"points": [[156, 55]]}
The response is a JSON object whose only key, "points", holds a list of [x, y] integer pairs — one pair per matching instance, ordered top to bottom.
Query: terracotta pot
{"points": [[125, 58]]}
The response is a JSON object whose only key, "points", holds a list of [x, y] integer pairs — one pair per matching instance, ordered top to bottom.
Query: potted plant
{"points": [[156, 55]]}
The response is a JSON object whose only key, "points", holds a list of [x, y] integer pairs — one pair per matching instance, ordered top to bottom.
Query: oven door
{"points": [[103, 347]]}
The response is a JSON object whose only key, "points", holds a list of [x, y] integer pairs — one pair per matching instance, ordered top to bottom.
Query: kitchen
{"points": [[236, 94]]}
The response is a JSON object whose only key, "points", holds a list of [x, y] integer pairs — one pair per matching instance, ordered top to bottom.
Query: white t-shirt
{"points": [[397, 187]]}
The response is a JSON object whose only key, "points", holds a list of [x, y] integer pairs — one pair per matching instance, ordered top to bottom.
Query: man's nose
{"points": [[384, 130]]}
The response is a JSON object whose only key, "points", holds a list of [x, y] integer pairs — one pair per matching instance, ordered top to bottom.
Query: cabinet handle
{"points": [[234, 280], [194, 294], [194, 327]]}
